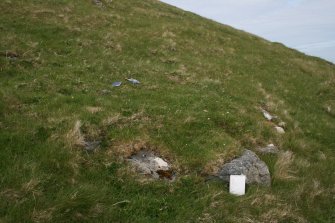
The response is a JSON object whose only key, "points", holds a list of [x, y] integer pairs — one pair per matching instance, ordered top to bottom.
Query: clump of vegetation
{"points": [[202, 84]]}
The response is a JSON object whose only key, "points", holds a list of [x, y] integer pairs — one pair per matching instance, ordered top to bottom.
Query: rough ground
{"points": [[66, 133]]}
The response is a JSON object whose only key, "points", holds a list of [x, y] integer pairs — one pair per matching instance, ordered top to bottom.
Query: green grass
{"points": [[202, 86]]}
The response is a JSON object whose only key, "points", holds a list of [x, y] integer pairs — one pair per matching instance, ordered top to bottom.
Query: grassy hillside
{"points": [[198, 104]]}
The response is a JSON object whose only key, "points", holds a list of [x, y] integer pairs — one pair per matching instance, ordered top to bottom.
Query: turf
{"points": [[198, 104]]}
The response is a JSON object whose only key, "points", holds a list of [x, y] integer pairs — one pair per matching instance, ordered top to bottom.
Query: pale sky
{"points": [[306, 25]]}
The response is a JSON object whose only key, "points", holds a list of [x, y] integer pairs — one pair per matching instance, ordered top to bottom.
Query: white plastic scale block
{"points": [[237, 185]]}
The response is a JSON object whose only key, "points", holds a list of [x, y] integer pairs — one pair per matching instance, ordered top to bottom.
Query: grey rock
{"points": [[97, 2], [133, 81], [116, 84], [267, 115], [280, 130], [91, 146], [269, 149], [147, 163], [249, 164]]}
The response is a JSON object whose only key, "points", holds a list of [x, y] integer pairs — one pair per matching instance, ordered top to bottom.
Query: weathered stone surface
{"points": [[97, 2], [268, 116], [282, 124], [280, 130], [91, 145], [269, 149], [148, 164], [249, 164]]}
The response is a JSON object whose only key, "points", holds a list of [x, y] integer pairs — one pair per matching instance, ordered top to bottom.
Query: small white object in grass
{"points": [[133, 81], [117, 84], [267, 115], [280, 130], [160, 162], [237, 184]]}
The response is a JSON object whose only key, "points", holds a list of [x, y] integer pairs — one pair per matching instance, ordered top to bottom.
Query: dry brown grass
{"points": [[168, 34], [308, 66], [208, 80], [274, 104], [329, 107], [93, 110], [138, 117], [112, 119], [189, 119], [122, 121], [75, 136], [123, 150], [303, 163], [283, 165], [32, 187], [316, 189], [312, 190], [11, 195], [266, 199], [96, 210], [276, 210], [281, 214], [42, 215], [206, 217]]}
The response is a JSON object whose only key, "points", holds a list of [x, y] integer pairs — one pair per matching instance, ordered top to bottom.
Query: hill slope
{"points": [[198, 104]]}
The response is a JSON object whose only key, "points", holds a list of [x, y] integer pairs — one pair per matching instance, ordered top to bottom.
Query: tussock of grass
{"points": [[75, 136], [283, 166], [281, 214]]}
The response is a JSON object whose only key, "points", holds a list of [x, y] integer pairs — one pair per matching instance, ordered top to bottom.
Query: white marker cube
{"points": [[237, 184]]}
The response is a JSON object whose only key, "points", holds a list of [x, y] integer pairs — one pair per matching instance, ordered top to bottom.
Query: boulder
{"points": [[249, 164]]}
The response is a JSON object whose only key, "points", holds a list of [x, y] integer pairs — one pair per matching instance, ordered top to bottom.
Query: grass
{"points": [[202, 84]]}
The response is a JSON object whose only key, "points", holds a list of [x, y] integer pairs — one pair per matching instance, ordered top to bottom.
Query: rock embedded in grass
{"points": [[97, 2], [267, 115], [282, 124], [280, 130], [91, 145], [269, 149], [147, 163], [250, 165]]}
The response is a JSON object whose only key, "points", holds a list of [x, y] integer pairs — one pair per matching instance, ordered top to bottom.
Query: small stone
{"points": [[97, 2], [133, 81], [117, 84], [105, 91], [329, 109], [268, 116], [282, 124], [280, 130], [91, 146], [269, 149], [161, 163], [249, 164]]}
